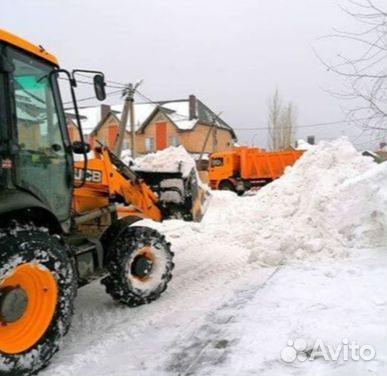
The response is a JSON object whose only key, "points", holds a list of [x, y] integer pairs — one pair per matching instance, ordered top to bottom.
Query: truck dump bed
{"points": [[257, 164], [242, 168]]}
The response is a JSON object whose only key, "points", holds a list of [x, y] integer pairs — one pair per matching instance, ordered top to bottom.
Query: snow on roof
{"points": [[181, 108], [177, 111], [141, 112], [91, 116], [182, 122]]}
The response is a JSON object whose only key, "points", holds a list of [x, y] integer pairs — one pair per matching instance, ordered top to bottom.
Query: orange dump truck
{"points": [[242, 167]]}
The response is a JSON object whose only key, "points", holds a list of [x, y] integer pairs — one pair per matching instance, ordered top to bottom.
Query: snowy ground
{"points": [[304, 258], [224, 316]]}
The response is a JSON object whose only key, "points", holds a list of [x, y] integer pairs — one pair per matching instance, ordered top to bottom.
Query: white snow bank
{"points": [[304, 145], [126, 156], [172, 159], [332, 199]]}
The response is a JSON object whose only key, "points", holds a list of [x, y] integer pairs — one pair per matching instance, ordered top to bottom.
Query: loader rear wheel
{"points": [[140, 266], [37, 289]]}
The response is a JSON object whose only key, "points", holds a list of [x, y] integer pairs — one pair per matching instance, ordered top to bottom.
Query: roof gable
{"points": [[177, 111], [103, 121]]}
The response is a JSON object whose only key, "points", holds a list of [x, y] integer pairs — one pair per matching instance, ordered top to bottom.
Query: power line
{"points": [[108, 81], [90, 83], [117, 83], [93, 97], [146, 98], [150, 101], [160, 106], [300, 126], [368, 142]]}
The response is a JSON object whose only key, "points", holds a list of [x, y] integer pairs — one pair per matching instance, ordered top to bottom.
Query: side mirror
{"points": [[99, 87], [79, 147]]}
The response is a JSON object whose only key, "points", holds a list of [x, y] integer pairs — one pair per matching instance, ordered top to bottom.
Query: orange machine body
{"points": [[27, 46], [249, 165], [104, 184]]}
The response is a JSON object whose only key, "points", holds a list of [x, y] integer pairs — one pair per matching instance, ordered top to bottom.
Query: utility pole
{"points": [[128, 109], [212, 127]]}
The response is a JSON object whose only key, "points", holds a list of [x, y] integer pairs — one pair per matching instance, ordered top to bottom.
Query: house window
{"points": [[173, 141], [125, 144], [149, 144]]}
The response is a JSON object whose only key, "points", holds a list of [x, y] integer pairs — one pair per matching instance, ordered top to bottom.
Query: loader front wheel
{"points": [[140, 266], [37, 289]]}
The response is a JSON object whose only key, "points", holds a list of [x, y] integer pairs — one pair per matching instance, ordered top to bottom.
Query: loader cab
{"points": [[35, 157], [36, 162]]}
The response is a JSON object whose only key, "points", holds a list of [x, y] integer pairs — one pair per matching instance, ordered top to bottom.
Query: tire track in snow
{"points": [[100, 323], [207, 345]]}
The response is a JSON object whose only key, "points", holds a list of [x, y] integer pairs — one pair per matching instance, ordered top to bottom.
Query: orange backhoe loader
{"points": [[64, 224]]}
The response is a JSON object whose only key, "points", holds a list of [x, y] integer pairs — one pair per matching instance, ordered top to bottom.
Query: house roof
{"points": [[176, 110], [181, 114], [90, 117]]}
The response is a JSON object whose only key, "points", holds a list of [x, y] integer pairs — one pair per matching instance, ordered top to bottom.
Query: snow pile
{"points": [[304, 145], [126, 156], [172, 159], [331, 200]]}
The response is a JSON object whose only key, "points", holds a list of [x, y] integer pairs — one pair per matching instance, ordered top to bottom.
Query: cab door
{"points": [[42, 165]]}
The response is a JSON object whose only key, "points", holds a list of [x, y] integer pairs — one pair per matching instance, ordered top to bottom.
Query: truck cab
{"points": [[222, 166]]}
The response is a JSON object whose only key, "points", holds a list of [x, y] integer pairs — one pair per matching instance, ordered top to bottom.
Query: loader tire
{"points": [[140, 266], [37, 290]]}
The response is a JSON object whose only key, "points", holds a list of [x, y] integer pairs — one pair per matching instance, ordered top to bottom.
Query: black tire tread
{"points": [[116, 283], [40, 354]]}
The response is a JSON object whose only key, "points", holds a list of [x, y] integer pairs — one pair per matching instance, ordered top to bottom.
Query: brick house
{"points": [[161, 124]]}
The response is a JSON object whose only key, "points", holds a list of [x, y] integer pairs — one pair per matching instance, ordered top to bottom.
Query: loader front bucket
{"points": [[179, 197]]}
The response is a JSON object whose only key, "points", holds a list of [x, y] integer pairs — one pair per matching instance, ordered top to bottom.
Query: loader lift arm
{"points": [[109, 180]]}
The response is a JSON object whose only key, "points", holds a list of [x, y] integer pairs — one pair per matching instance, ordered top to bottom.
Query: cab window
{"points": [[216, 162], [42, 166]]}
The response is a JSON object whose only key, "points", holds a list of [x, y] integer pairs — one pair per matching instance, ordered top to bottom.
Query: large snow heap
{"points": [[333, 199]]}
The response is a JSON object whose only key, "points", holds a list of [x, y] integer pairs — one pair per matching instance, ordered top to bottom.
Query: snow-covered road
{"points": [[304, 259], [233, 319]]}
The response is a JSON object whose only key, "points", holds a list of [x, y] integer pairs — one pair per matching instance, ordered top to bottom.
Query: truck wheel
{"points": [[226, 185], [140, 266], [37, 290]]}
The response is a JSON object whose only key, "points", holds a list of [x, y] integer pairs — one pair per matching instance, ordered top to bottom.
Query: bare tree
{"points": [[365, 70], [274, 119], [287, 122], [281, 123]]}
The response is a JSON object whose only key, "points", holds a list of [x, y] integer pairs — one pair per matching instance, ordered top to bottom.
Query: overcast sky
{"points": [[230, 54]]}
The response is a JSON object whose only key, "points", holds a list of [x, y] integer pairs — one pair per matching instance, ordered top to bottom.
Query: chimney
{"points": [[192, 107], [105, 109], [311, 140], [382, 145]]}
